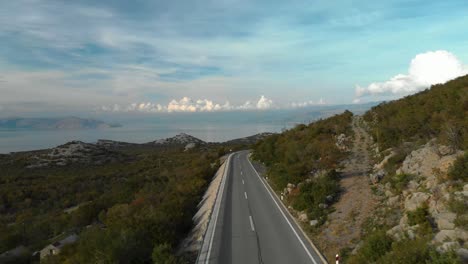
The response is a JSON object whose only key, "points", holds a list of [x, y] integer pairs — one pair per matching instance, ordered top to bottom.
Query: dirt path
{"points": [[356, 202]]}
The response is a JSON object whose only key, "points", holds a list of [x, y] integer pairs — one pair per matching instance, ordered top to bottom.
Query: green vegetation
{"points": [[437, 112], [297, 154], [459, 169], [399, 181], [315, 192], [130, 212], [421, 217], [374, 247], [380, 248]]}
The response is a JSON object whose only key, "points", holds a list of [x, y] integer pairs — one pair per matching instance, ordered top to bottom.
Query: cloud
{"points": [[426, 69], [264, 103], [308, 103], [186, 104]]}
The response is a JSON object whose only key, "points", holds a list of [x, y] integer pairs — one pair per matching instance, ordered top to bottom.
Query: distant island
{"points": [[59, 123]]}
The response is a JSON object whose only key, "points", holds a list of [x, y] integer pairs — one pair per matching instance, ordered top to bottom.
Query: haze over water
{"points": [[210, 127]]}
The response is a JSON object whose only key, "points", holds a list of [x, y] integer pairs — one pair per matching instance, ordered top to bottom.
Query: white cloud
{"points": [[425, 69], [264, 103], [308, 103], [186, 104]]}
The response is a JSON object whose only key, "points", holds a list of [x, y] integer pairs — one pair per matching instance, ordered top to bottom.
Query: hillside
{"points": [[439, 112], [391, 189], [126, 204]]}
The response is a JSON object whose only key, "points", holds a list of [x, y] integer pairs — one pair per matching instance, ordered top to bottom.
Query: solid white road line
{"points": [[245, 194], [218, 204], [287, 220], [251, 223]]}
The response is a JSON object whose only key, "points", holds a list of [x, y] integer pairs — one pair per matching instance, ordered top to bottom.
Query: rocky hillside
{"points": [[180, 139], [74, 152], [420, 178]]}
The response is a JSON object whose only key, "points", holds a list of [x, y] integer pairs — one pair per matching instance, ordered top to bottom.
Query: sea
{"points": [[142, 128]]}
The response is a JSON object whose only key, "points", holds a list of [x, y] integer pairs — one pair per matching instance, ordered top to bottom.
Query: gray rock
{"points": [[190, 146], [445, 150], [424, 160], [377, 176], [413, 185], [416, 200], [392, 201], [323, 205], [303, 217], [445, 220], [313, 222], [396, 232], [445, 235], [446, 246], [463, 254]]}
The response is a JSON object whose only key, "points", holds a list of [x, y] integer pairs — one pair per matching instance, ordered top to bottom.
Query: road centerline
{"points": [[251, 223]]}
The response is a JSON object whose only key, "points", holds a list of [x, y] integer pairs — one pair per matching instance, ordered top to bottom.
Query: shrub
{"points": [[459, 169], [400, 181], [374, 247], [417, 252], [162, 255]]}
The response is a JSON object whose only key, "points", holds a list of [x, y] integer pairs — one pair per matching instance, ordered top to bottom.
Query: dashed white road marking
{"points": [[242, 181], [245, 194], [251, 223]]}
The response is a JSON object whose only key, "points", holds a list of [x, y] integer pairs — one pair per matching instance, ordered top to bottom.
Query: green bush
{"points": [[459, 169], [400, 181], [374, 247], [416, 252], [162, 255]]}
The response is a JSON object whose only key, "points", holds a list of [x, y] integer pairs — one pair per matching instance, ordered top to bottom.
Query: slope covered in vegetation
{"points": [[439, 112], [307, 155], [133, 211]]}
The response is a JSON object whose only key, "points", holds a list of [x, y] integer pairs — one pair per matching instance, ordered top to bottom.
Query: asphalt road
{"points": [[252, 226]]}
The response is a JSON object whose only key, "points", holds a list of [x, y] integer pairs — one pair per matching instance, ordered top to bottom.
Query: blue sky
{"points": [[221, 55]]}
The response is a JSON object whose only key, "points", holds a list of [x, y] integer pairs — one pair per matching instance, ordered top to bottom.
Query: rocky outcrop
{"points": [[180, 139], [75, 152], [429, 159], [416, 200]]}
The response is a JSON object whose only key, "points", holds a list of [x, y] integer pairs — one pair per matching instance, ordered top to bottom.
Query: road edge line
{"points": [[270, 190], [215, 211]]}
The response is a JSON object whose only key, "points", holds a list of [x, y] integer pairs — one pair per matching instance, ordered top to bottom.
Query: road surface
{"points": [[249, 225]]}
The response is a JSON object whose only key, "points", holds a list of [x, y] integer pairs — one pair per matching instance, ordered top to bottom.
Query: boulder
{"points": [[445, 150], [424, 160], [382, 164], [377, 176], [413, 185], [416, 200], [392, 201], [323, 206], [303, 217], [445, 220], [313, 222], [396, 232], [445, 235], [447, 246], [463, 254]]}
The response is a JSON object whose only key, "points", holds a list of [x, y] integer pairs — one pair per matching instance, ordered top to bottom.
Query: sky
{"points": [[59, 56]]}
